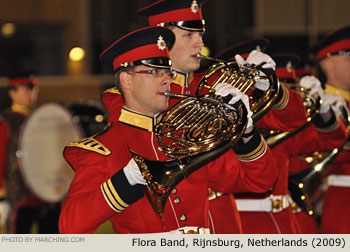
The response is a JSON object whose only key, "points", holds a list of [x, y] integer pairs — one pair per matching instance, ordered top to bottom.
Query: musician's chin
{"points": [[193, 65]]}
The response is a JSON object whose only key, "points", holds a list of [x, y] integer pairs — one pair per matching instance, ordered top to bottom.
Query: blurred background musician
{"points": [[333, 58], [27, 210]]}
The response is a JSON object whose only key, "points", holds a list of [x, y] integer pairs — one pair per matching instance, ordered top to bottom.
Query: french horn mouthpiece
{"points": [[209, 58], [175, 95]]}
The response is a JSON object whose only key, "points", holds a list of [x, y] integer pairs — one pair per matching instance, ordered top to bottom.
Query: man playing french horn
{"points": [[333, 57]]}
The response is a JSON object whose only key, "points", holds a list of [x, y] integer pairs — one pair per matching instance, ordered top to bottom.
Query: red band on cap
{"points": [[175, 16], [333, 48], [140, 53], [303, 72], [283, 73], [23, 81]]}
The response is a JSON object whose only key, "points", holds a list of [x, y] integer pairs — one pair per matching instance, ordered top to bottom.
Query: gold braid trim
{"points": [[181, 79], [113, 90], [284, 100], [332, 127], [91, 144], [255, 154], [113, 197]]}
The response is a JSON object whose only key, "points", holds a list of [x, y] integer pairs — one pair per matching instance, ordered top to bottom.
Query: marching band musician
{"points": [[185, 19], [333, 56], [327, 132], [108, 180], [14, 192], [22, 207]]}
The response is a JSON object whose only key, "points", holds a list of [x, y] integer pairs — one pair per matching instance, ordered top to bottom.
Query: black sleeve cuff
{"points": [[330, 125], [251, 150], [119, 193]]}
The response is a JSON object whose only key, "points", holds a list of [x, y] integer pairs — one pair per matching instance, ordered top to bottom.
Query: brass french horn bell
{"points": [[244, 78], [192, 133], [303, 184]]}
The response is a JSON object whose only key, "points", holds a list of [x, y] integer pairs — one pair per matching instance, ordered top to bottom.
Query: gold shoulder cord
{"points": [[113, 90], [91, 144]]}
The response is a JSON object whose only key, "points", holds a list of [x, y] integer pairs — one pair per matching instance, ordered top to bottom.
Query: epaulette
{"points": [[113, 90], [91, 144]]}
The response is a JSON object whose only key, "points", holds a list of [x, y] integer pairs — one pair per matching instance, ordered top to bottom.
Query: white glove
{"points": [[257, 58], [312, 84], [224, 90], [337, 103], [133, 173], [5, 209]]}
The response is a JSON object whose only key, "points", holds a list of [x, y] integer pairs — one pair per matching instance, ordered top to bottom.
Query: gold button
{"points": [[188, 92], [174, 191], [177, 200], [294, 206], [183, 217]]}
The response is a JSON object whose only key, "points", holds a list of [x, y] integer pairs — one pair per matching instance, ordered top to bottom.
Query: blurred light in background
{"points": [[8, 29], [205, 51], [76, 54], [99, 118]]}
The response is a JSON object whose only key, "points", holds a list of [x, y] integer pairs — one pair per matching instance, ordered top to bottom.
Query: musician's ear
{"points": [[125, 81]]}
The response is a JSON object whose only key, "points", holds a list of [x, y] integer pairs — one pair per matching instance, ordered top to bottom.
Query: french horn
{"points": [[244, 78], [192, 133]]}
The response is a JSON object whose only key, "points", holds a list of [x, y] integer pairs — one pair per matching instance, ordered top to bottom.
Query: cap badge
{"points": [[194, 6], [161, 43], [289, 67]]}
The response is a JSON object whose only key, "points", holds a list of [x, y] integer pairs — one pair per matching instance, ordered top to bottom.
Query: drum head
{"points": [[42, 140]]}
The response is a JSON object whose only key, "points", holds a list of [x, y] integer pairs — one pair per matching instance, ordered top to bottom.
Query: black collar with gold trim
{"points": [[182, 79], [138, 120]]}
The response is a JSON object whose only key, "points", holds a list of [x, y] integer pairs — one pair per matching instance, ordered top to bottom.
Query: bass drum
{"points": [[40, 152]]}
